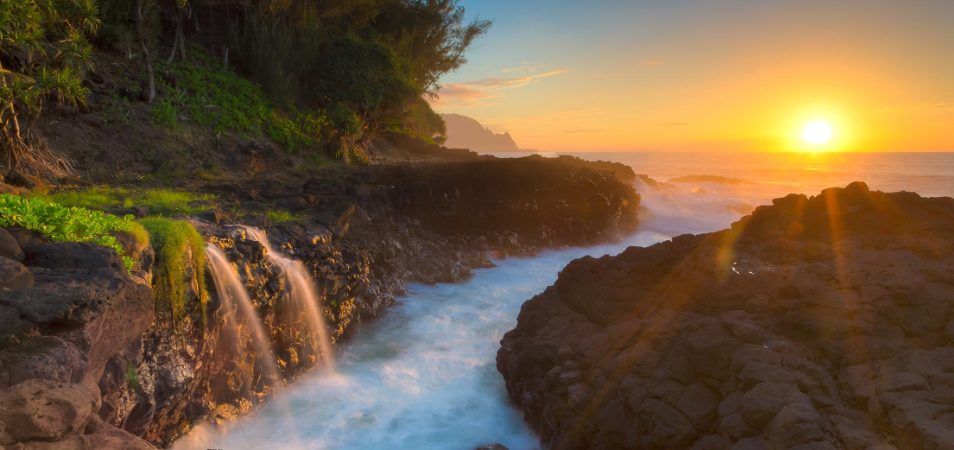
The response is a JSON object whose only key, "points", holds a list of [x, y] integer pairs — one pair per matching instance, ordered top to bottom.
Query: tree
{"points": [[431, 35], [44, 53], [149, 88]]}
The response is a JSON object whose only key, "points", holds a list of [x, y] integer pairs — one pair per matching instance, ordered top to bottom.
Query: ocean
{"points": [[424, 375]]}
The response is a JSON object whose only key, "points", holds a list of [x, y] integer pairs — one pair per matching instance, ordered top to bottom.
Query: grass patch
{"points": [[201, 91], [214, 97], [162, 202], [166, 202], [281, 216], [69, 223], [179, 248], [132, 378]]}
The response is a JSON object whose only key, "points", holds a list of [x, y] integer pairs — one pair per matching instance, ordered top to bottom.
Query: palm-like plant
{"points": [[44, 53]]}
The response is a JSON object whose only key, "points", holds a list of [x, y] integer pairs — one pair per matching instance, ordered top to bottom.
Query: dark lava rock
{"points": [[215, 216], [363, 233], [27, 239], [9, 247], [73, 255], [14, 275], [820, 322], [56, 334]]}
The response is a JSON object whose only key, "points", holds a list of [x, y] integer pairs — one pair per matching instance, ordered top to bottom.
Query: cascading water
{"points": [[231, 291], [302, 294]]}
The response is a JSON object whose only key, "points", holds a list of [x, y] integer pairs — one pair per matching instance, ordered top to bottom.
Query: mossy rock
{"points": [[179, 273]]}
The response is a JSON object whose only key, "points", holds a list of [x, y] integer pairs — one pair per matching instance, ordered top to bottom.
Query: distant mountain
{"points": [[464, 132]]}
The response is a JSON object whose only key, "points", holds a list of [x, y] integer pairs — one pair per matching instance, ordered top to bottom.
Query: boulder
{"points": [[27, 239], [9, 247], [73, 255], [14, 275], [72, 308], [804, 338], [45, 410]]}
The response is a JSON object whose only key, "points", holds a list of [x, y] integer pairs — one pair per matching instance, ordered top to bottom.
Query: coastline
{"points": [[373, 230]]}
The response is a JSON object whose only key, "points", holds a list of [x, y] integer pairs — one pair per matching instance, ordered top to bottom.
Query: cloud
{"points": [[651, 62], [524, 67], [474, 93]]}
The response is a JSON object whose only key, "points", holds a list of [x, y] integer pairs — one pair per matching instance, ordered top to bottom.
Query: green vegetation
{"points": [[44, 54], [316, 77], [163, 113], [162, 202], [281, 216], [73, 224], [180, 250], [132, 378]]}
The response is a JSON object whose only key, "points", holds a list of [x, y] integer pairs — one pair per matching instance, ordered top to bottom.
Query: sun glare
{"points": [[817, 132]]}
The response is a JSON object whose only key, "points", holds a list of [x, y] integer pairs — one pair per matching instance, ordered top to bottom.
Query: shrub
{"points": [[214, 97], [163, 113], [73, 224], [178, 247]]}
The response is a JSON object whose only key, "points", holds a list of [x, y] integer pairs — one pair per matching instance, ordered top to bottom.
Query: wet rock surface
{"points": [[363, 234], [63, 314], [821, 322]]}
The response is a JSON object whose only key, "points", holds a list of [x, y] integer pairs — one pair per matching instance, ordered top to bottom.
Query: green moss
{"points": [[96, 197], [163, 202], [168, 202], [281, 216], [72, 224], [139, 233], [179, 248], [132, 378]]}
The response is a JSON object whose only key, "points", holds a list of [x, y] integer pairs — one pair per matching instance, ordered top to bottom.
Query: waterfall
{"points": [[231, 291], [302, 294]]}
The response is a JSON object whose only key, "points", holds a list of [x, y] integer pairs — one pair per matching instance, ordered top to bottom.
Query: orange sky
{"points": [[727, 75]]}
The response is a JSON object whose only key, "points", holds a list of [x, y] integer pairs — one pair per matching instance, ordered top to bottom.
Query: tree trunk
{"points": [[178, 41], [149, 91], [12, 139]]}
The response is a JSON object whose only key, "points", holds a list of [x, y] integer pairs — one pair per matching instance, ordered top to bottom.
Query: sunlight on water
{"points": [[424, 375]]}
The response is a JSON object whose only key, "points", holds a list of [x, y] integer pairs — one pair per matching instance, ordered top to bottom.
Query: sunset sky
{"points": [[736, 75]]}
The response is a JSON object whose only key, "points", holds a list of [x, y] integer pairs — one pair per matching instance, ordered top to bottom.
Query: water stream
{"points": [[233, 293], [302, 293], [423, 376]]}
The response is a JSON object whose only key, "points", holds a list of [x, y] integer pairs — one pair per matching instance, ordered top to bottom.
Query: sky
{"points": [[721, 75]]}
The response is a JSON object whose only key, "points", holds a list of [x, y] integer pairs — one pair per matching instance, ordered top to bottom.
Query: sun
{"points": [[817, 132]]}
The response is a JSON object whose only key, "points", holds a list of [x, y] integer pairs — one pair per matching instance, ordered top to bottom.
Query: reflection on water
{"points": [[780, 173]]}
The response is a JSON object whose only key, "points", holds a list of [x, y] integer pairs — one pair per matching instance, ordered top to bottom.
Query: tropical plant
{"points": [[44, 53], [73, 224]]}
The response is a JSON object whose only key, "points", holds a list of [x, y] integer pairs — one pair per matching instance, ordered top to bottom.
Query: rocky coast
{"points": [[815, 322], [89, 360]]}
